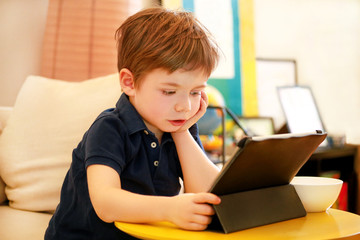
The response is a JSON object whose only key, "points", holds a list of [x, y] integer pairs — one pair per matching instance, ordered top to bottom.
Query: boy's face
{"points": [[167, 100]]}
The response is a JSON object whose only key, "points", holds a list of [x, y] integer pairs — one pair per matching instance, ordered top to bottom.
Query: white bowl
{"points": [[317, 194]]}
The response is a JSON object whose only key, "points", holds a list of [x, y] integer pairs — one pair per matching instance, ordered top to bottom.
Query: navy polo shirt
{"points": [[119, 139]]}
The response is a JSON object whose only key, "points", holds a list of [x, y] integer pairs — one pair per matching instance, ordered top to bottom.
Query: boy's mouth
{"points": [[177, 122]]}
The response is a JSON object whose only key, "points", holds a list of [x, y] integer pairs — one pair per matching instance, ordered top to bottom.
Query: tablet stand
{"points": [[258, 207]]}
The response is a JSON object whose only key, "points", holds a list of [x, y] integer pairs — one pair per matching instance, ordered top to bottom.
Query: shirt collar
{"points": [[129, 115], [166, 138]]}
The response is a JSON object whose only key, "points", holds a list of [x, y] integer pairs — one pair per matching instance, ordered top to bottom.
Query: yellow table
{"points": [[327, 225]]}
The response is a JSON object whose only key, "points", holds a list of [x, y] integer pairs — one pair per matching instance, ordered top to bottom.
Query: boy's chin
{"points": [[170, 129]]}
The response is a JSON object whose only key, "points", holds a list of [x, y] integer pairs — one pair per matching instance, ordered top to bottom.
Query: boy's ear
{"points": [[127, 81]]}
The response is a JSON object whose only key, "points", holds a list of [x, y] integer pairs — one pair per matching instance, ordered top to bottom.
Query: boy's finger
{"points": [[204, 97], [207, 198], [204, 209], [202, 219], [196, 226]]}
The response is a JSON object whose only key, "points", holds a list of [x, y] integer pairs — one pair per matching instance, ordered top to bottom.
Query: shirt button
{"points": [[146, 132], [153, 144], [156, 163]]}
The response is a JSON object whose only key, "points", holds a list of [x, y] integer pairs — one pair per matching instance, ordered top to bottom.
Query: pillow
{"points": [[49, 119], [2, 191]]}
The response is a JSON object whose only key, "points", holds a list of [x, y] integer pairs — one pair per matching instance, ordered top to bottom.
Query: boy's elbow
{"points": [[103, 210], [105, 216], [107, 219]]}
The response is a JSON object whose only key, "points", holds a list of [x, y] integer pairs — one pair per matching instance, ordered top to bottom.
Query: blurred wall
{"points": [[22, 26], [323, 36]]}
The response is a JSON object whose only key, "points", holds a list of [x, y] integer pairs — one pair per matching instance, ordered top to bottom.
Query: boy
{"points": [[128, 164]]}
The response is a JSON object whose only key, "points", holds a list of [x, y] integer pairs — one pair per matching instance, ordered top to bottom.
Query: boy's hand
{"points": [[202, 109], [193, 211]]}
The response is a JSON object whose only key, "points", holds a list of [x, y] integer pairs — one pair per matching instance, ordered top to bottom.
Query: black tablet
{"points": [[260, 162]]}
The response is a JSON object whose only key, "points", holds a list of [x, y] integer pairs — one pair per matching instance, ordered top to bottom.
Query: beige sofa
{"points": [[37, 136]]}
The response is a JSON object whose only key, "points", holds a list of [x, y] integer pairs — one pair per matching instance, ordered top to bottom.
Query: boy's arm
{"points": [[198, 171], [111, 203]]}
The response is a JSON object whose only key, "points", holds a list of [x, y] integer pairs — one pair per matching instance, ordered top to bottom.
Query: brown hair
{"points": [[162, 38]]}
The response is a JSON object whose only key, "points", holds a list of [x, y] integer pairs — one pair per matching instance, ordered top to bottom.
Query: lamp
{"points": [[226, 111]]}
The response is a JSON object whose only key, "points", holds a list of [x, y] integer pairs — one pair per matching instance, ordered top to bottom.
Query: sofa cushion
{"points": [[4, 115], [48, 121], [2, 191], [19, 225]]}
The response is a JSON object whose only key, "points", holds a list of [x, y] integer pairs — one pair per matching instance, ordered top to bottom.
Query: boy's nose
{"points": [[183, 106]]}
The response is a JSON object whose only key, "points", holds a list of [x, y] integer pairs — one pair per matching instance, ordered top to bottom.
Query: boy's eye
{"points": [[168, 92], [195, 93]]}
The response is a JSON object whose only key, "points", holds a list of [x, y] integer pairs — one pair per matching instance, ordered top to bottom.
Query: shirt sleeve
{"points": [[105, 144]]}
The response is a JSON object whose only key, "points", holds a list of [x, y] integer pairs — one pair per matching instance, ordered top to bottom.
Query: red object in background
{"points": [[343, 197], [342, 201]]}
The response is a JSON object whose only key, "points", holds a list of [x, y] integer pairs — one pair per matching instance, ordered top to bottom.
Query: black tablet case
{"points": [[254, 184]]}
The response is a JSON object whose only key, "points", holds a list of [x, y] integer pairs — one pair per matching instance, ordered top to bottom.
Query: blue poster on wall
{"points": [[221, 17]]}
